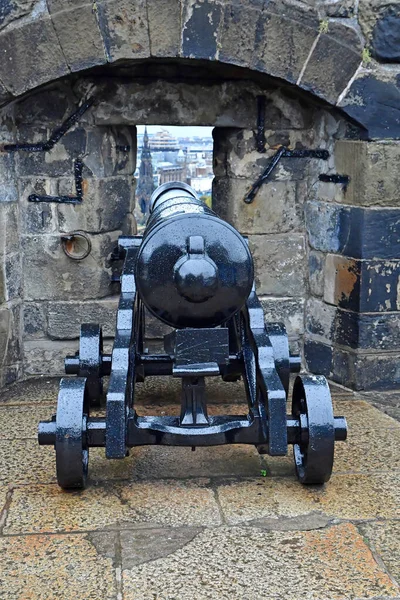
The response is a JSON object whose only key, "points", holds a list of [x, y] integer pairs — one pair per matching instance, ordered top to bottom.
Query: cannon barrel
{"points": [[193, 269]]}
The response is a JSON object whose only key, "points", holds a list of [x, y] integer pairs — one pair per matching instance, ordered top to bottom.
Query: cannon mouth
{"points": [[171, 185]]}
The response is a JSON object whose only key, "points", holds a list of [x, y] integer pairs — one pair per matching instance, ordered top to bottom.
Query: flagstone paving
{"points": [[220, 523]]}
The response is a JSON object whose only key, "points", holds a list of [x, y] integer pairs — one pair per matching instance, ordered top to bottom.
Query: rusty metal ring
{"points": [[76, 245]]}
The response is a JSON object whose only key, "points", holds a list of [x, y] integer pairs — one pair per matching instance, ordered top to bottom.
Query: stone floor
{"points": [[220, 523]]}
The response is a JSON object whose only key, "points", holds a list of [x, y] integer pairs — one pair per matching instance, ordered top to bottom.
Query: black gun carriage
{"points": [[194, 272]]}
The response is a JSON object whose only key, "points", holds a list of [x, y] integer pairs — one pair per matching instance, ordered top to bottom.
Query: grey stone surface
{"points": [[12, 11], [164, 27], [124, 28], [386, 34], [79, 36], [31, 55], [334, 61], [373, 171], [8, 187], [275, 208], [9, 230], [316, 261], [279, 264], [61, 277], [289, 311], [65, 318], [320, 319], [35, 320], [10, 334], [46, 357]]}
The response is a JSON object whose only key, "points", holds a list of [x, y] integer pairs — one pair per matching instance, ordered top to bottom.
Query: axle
{"points": [[168, 431]]}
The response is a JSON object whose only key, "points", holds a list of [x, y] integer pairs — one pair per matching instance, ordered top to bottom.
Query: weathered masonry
{"points": [[324, 228]]}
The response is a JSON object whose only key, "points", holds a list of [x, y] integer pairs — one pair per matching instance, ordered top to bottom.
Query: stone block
{"points": [[338, 9], [12, 11], [201, 22], [164, 27], [124, 28], [238, 32], [386, 34], [79, 36], [284, 37], [31, 55], [334, 60], [5, 95], [373, 101], [227, 104], [48, 107], [111, 151], [236, 154], [373, 171], [8, 184], [105, 207], [274, 209], [37, 217], [9, 230], [353, 231], [316, 261], [279, 263], [50, 275], [13, 277], [342, 281], [289, 311], [65, 318], [320, 319], [35, 320], [372, 331], [10, 334], [46, 357], [10, 374]]}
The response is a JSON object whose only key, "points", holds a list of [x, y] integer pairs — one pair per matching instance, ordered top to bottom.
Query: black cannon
{"points": [[194, 272]]}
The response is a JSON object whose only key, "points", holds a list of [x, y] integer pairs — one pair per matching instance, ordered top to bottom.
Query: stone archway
{"points": [[289, 51]]}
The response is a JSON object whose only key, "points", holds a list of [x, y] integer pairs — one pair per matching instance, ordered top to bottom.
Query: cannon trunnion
{"points": [[194, 272]]}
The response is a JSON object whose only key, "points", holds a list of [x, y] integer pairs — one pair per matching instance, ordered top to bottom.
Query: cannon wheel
{"points": [[280, 345], [90, 360], [312, 405], [72, 454]]}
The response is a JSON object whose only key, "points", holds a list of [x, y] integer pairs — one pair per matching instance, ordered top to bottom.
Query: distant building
{"points": [[146, 185]]}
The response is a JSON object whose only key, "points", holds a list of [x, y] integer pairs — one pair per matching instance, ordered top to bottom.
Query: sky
{"points": [[178, 131]]}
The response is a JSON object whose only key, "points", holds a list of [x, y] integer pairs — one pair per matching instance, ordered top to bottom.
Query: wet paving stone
{"points": [[228, 563], [48, 567]]}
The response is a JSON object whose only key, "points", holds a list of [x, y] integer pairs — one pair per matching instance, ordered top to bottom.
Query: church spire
{"points": [[145, 186]]}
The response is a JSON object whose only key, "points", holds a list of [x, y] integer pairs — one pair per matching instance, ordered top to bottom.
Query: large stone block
{"points": [[12, 11], [164, 27], [200, 27], [124, 28], [285, 34], [386, 34], [79, 36], [237, 40], [31, 55], [334, 60], [373, 100], [227, 104], [44, 107], [111, 151], [236, 154], [373, 168], [8, 184], [106, 205], [274, 209], [36, 217], [9, 229], [354, 231], [316, 261], [279, 264], [50, 275], [13, 277], [362, 286], [289, 311], [65, 318], [320, 319], [35, 320], [10, 334], [46, 357], [360, 371], [10, 374]]}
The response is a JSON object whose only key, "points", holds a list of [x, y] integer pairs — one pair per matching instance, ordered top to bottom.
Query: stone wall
{"points": [[326, 255]]}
